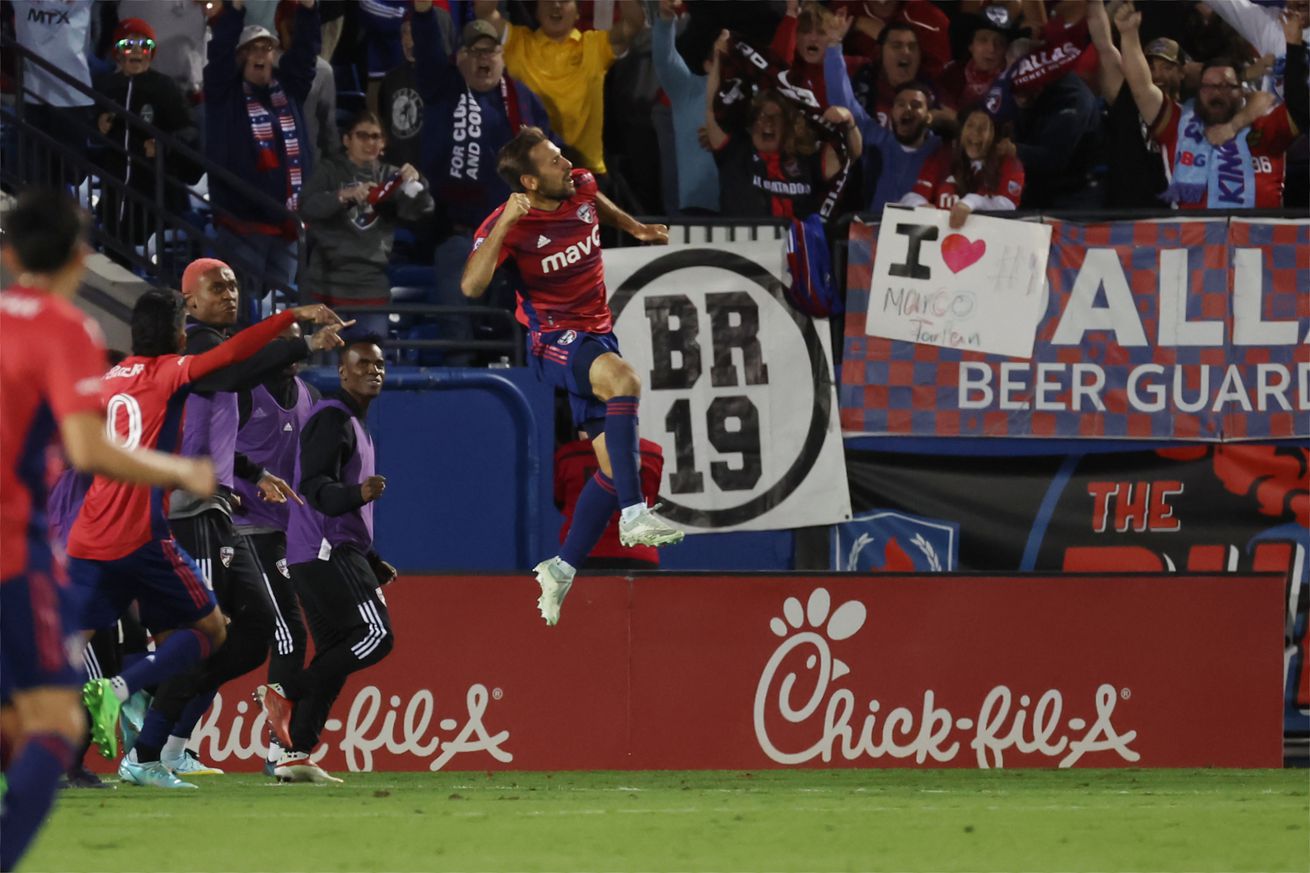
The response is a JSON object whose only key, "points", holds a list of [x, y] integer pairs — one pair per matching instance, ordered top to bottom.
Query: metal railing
{"points": [[142, 229], [512, 346]]}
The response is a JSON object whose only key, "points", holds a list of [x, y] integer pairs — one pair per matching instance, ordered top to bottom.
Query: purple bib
{"points": [[270, 438], [311, 534]]}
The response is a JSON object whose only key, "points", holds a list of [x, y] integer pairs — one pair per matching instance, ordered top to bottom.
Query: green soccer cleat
{"points": [[103, 706], [152, 775]]}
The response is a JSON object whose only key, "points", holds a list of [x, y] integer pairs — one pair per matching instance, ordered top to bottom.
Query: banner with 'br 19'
{"points": [[1179, 329], [747, 672]]}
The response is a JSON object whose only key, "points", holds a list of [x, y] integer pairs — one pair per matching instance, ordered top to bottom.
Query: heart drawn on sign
{"points": [[959, 252]]}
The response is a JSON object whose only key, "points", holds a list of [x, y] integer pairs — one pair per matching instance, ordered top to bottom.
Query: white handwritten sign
{"points": [[978, 288]]}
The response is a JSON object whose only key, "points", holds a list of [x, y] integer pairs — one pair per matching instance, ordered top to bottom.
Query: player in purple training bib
{"points": [[549, 231]]}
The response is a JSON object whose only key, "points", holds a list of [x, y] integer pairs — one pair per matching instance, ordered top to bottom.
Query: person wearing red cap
{"points": [[128, 158]]}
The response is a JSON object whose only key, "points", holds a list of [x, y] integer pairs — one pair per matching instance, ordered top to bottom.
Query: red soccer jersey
{"points": [[1268, 139], [936, 182], [561, 279], [51, 359], [144, 399], [143, 404]]}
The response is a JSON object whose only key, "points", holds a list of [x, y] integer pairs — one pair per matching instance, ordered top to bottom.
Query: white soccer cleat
{"points": [[647, 529], [555, 582], [189, 764], [296, 767]]}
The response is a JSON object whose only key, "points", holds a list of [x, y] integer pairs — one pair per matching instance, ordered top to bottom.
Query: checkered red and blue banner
{"points": [[1191, 329]]}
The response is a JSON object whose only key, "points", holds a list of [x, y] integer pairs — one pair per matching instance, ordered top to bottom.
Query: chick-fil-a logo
{"points": [[1004, 720], [373, 723]]}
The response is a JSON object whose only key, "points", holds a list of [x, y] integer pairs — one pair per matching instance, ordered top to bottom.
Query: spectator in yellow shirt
{"points": [[566, 67]]}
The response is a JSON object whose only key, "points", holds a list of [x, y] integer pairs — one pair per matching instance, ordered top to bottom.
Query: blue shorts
{"points": [[563, 358], [161, 577], [38, 629]]}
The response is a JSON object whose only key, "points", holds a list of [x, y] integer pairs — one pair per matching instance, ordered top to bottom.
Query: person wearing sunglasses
{"points": [[129, 151], [351, 205]]}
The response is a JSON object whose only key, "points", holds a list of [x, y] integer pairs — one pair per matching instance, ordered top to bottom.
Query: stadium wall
{"points": [[667, 671]]}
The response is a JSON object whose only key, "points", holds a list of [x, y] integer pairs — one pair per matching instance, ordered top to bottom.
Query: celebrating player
{"points": [[550, 227], [51, 361], [271, 417], [204, 526], [121, 545], [334, 568]]}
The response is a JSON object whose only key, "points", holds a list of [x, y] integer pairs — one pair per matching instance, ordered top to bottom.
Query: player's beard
{"points": [[562, 191]]}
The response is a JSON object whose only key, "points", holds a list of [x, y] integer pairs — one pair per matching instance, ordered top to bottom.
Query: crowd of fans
{"points": [[365, 117]]}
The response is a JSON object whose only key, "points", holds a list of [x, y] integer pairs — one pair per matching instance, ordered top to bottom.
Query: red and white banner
{"points": [[751, 672]]}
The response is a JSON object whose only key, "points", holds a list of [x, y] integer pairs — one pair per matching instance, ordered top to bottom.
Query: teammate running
{"points": [[550, 228], [51, 361], [121, 545]]}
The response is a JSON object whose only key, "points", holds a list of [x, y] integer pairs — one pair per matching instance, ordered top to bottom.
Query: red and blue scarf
{"points": [[261, 125]]}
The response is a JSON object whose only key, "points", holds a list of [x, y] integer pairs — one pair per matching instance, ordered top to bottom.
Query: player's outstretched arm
{"points": [[612, 215], [482, 264], [252, 339], [90, 451]]}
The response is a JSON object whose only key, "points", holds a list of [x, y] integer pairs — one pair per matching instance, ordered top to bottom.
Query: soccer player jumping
{"points": [[550, 228]]}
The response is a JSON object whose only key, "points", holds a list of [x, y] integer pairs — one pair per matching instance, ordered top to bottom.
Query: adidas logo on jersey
{"points": [[543, 241], [573, 253], [287, 428]]}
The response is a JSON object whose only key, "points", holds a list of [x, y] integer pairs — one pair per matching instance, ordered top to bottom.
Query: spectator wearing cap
{"points": [[180, 40], [566, 67], [965, 83], [157, 100], [471, 108], [255, 128], [893, 156], [693, 169], [1140, 169], [1246, 171], [973, 173], [351, 205]]}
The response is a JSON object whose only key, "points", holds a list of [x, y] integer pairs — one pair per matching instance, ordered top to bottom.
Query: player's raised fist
{"points": [[516, 207], [372, 488]]}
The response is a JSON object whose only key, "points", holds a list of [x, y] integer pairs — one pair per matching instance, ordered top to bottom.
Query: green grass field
{"points": [[797, 820]]}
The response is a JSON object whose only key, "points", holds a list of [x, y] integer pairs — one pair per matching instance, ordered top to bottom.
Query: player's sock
{"points": [[621, 442], [591, 515], [182, 649], [154, 734], [174, 746], [32, 781]]}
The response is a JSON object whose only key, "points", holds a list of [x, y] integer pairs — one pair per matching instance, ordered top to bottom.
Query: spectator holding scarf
{"points": [[471, 108], [255, 127], [776, 167], [1245, 172], [974, 173]]}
